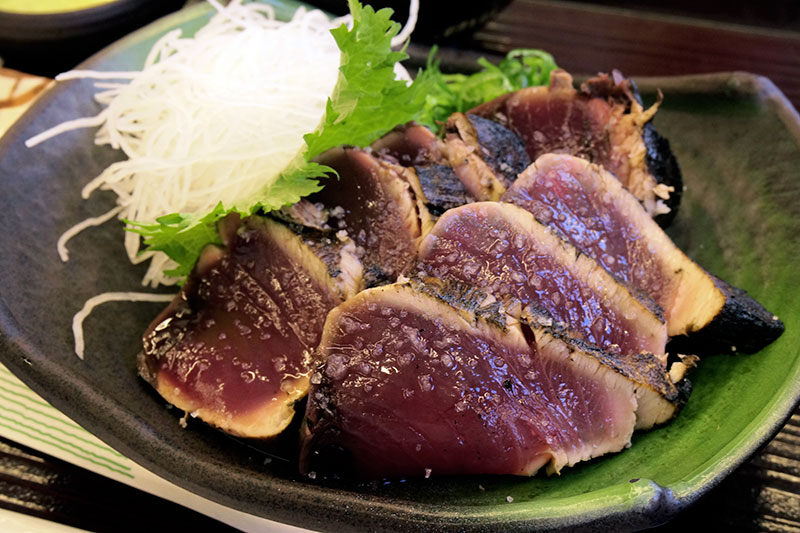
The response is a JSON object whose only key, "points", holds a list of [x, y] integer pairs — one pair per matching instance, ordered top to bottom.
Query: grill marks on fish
{"points": [[605, 123], [593, 211], [504, 251], [233, 348], [413, 385]]}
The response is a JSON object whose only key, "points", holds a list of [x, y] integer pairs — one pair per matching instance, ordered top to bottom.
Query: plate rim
{"points": [[656, 502]]}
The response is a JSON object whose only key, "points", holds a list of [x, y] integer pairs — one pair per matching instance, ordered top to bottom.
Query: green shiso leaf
{"points": [[368, 100], [180, 236]]}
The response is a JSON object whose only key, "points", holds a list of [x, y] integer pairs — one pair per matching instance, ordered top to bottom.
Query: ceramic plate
{"points": [[737, 141]]}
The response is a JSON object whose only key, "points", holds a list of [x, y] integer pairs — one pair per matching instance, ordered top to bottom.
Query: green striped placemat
{"points": [[29, 420]]}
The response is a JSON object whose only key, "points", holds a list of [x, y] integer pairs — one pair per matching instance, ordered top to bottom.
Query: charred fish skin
{"points": [[604, 123], [416, 147], [502, 149], [485, 155], [662, 163], [442, 188], [590, 208], [470, 300], [742, 325], [233, 348], [411, 386]]}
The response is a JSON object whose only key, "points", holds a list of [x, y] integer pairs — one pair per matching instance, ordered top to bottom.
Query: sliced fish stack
{"points": [[590, 208], [451, 308], [233, 348]]}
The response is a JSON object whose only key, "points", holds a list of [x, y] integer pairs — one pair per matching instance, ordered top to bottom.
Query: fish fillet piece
{"points": [[603, 122], [410, 145], [379, 206], [591, 209], [503, 250], [233, 348], [410, 385]]}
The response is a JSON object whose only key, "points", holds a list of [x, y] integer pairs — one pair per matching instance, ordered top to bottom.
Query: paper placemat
{"points": [[17, 92], [29, 420]]}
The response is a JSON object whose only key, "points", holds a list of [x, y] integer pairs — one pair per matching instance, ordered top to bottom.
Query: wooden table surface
{"points": [[763, 494]]}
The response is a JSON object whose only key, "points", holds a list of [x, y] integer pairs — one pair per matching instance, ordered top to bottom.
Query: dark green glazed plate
{"points": [[737, 140]]}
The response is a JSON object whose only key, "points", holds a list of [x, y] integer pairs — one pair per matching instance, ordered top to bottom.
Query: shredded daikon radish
{"points": [[408, 29], [400, 39], [212, 118], [61, 245], [91, 303]]}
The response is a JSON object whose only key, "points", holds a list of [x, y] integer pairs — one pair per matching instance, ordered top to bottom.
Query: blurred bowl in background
{"points": [[438, 19], [48, 38]]}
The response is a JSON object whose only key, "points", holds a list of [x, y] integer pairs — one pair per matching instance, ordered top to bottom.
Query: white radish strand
{"points": [[408, 29], [61, 245], [91, 303]]}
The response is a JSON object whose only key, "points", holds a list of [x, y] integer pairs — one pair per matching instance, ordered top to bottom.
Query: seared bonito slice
{"points": [[603, 122], [590, 208], [504, 251], [233, 348], [410, 385]]}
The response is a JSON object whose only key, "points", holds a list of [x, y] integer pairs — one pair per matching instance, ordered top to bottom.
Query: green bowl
{"points": [[737, 140]]}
